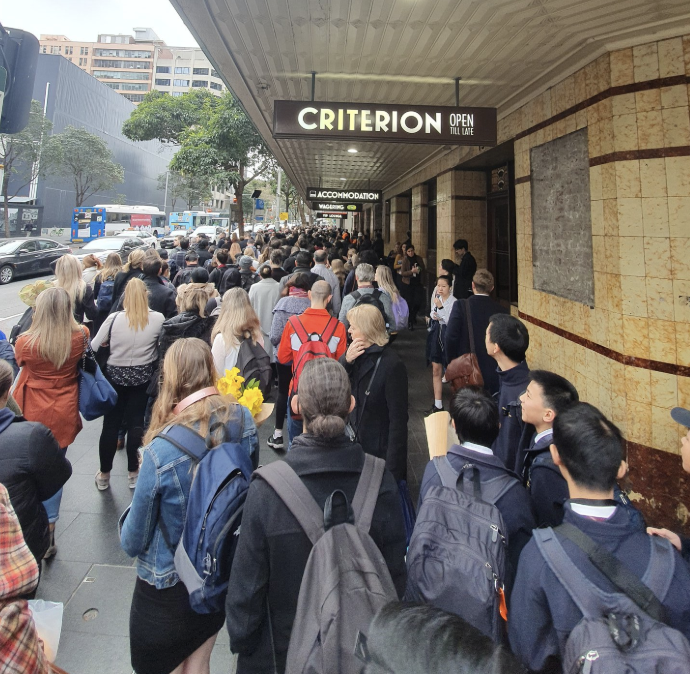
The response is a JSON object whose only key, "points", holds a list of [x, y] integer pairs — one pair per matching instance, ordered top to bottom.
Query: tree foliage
{"points": [[20, 154], [86, 160], [193, 189]]}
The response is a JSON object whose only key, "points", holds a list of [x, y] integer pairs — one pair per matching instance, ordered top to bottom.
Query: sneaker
{"points": [[444, 380], [276, 442], [132, 479], [102, 483], [52, 548]]}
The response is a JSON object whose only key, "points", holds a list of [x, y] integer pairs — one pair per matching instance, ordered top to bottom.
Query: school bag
{"points": [[105, 295], [373, 298], [401, 314], [312, 346], [254, 363], [204, 554], [457, 559], [346, 580], [620, 632]]}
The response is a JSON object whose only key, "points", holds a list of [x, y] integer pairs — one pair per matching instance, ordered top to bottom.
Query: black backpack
{"points": [[372, 298], [254, 363]]}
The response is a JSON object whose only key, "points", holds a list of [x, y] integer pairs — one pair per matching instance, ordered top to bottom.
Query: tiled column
{"points": [[420, 219], [377, 220], [400, 220]]}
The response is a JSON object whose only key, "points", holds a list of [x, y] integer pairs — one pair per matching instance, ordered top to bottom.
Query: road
{"points": [[11, 307]]}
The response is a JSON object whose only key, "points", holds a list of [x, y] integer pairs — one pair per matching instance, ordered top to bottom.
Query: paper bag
{"points": [[440, 435]]}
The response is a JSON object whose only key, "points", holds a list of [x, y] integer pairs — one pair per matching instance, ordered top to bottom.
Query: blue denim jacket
{"points": [[165, 478]]}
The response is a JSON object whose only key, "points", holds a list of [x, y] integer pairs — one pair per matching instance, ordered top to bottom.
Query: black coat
{"points": [[464, 273], [121, 280], [161, 296], [86, 306], [482, 308], [186, 324], [382, 430], [33, 469], [273, 549]]}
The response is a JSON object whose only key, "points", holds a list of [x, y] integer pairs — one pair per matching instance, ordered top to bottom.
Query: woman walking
{"points": [[91, 266], [68, 275], [103, 287], [441, 306], [401, 312], [237, 321], [133, 338], [379, 385], [47, 389], [166, 635]]}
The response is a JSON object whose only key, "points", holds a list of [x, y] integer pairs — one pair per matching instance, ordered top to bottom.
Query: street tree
{"points": [[24, 158], [84, 158], [193, 189]]}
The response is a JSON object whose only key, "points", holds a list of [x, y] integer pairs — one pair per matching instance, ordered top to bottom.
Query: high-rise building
{"points": [[179, 69]]}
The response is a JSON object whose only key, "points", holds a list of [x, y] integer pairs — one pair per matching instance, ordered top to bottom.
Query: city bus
{"points": [[190, 220], [90, 222]]}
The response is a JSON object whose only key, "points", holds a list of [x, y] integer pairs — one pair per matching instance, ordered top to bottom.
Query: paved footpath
{"points": [[95, 578]]}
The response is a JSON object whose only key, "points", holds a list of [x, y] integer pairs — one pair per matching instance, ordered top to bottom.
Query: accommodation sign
{"points": [[435, 125], [335, 194], [334, 206]]}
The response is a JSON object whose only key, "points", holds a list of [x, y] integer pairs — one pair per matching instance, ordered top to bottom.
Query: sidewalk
{"points": [[94, 578]]}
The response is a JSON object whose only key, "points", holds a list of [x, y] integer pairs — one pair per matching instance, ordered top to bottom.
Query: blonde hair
{"points": [[235, 252], [135, 260], [91, 261], [112, 267], [68, 276], [384, 277], [483, 280], [193, 298], [136, 304], [237, 319], [369, 320], [52, 326], [188, 367]]}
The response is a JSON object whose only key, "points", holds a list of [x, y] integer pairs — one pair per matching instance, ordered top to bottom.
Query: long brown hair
{"points": [[112, 267], [188, 367]]}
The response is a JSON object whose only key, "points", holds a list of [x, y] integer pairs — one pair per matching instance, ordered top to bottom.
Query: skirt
{"points": [[435, 350], [164, 630]]}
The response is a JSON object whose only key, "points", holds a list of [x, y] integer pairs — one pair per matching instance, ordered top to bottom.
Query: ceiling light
{"points": [[353, 150], [343, 179]]}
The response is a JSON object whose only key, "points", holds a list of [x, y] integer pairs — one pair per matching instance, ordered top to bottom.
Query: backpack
{"points": [[247, 280], [105, 295], [374, 299], [401, 314], [21, 327], [313, 346], [254, 363], [204, 554], [457, 559], [346, 580], [620, 632]]}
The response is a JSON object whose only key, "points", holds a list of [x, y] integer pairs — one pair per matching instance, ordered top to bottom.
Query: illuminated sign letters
{"points": [[342, 197]]}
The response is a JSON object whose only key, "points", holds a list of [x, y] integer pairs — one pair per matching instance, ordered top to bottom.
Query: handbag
{"points": [[103, 353], [464, 370], [96, 395]]}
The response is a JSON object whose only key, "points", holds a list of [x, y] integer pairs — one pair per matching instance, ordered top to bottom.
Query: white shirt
{"points": [[442, 314], [543, 434], [480, 449], [600, 512]]}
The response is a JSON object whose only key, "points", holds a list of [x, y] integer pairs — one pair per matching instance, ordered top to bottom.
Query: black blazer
{"points": [[464, 273], [458, 340]]}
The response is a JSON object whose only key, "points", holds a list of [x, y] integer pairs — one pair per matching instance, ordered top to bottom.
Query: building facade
{"points": [[181, 69]]}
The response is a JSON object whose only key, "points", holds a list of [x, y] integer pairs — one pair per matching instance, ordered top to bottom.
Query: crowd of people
{"points": [[521, 540]]}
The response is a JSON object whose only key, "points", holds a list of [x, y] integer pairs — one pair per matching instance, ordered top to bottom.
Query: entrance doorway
{"points": [[502, 239]]}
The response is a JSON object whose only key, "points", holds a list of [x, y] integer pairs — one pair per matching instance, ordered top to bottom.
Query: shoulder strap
{"points": [[376, 294], [356, 295], [299, 329], [470, 329], [329, 330], [189, 442], [455, 480], [368, 487], [294, 494], [661, 567], [624, 579]]}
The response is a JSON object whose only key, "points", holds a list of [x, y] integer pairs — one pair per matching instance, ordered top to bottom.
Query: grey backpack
{"points": [[457, 555], [346, 580], [620, 632]]}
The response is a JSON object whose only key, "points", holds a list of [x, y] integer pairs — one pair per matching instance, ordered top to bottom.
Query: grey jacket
{"points": [[327, 275], [349, 302], [129, 347]]}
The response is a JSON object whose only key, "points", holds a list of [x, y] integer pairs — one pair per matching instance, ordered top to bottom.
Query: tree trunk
{"points": [[241, 184], [6, 208], [300, 210]]}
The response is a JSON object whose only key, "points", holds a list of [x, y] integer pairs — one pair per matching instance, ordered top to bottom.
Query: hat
{"points": [[163, 254], [246, 263], [199, 275], [29, 293], [681, 415]]}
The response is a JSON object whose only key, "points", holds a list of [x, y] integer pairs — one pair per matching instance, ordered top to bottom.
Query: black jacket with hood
{"points": [[185, 324]]}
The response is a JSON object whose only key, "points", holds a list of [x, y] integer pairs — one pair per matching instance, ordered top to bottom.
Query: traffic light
{"points": [[19, 51]]}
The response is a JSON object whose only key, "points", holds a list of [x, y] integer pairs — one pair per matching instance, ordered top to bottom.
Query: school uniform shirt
{"points": [[442, 313], [512, 383], [515, 505], [541, 613]]}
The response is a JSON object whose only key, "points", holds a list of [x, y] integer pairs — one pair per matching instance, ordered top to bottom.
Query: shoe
{"points": [[444, 380], [433, 410], [277, 443], [132, 479], [102, 483], [52, 548]]}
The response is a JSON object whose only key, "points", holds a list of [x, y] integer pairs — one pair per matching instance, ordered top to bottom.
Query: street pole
{"points": [[280, 176], [165, 199]]}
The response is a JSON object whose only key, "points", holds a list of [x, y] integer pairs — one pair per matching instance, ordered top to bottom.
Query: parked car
{"points": [[211, 232], [149, 239], [168, 241], [104, 245], [19, 257]]}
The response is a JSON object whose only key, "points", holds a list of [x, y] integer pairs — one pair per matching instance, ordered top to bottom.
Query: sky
{"points": [[83, 20]]}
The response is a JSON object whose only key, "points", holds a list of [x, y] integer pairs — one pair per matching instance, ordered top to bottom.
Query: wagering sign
{"points": [[435, 125], [336, 206]]}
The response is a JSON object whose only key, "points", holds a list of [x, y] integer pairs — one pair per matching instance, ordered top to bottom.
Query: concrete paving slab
{"points": [[92, 538], [60, 580]]}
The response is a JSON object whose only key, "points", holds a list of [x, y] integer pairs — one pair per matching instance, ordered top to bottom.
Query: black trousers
{"points": [[414, 296], [284, 379], [129, 409]]}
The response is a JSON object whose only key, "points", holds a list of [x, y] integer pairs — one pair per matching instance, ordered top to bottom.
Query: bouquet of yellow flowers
{"points": [[248, 394]]}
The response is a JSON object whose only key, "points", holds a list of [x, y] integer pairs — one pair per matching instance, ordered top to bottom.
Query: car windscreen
{"points": [[110, 243], [9, 247]]}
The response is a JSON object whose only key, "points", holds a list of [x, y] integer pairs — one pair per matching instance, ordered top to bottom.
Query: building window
{"points": [[45, 49], [54, 50], [84, 51], [123, 53], [132, 65], [163, 69], [181, 71], [200, 71], [214, 73], [115, 75], [162, 83], [181, 83], [199, 83], [112, 85], [216, 86], [134, 87], [176, 94], [135, 98]]}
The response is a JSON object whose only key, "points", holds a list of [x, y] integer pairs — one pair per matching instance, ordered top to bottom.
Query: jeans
{"points": [[130, 408], [295, 427], [52, 505]]}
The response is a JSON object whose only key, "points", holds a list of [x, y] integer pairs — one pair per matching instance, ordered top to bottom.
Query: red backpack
{"points": [[312, 346]]}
